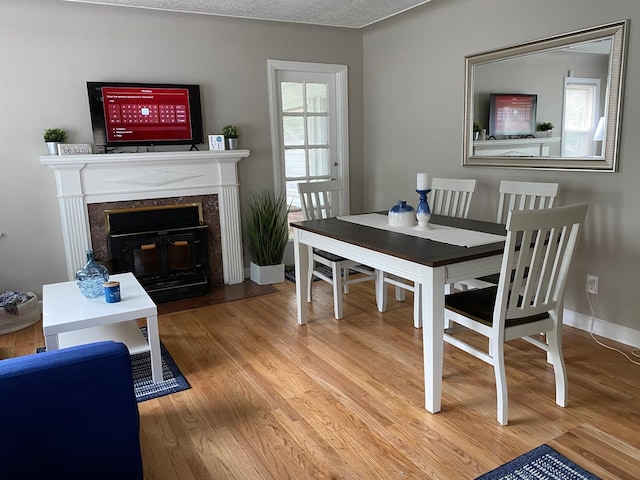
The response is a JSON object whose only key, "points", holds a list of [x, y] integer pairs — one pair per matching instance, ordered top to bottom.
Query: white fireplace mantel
{"points": [[85, 179]]}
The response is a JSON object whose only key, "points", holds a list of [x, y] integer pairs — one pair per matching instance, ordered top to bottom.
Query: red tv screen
{"points": [[135, 114], [146, 114], [512, 114]]}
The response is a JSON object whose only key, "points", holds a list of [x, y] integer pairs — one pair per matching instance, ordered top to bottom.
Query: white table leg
{"points": [[301, 254], [381, 291], [432, 294], [51, 342], [154, 344]]}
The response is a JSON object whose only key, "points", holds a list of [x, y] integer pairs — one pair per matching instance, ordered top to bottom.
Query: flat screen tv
{"points": [[134, 114], [512, 114]]}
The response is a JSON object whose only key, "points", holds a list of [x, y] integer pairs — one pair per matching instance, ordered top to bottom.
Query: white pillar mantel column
{"points": [[85, 179]]}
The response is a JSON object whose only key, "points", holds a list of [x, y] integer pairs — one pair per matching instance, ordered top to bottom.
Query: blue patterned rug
{"points": [[173, 380], [542, 463]]}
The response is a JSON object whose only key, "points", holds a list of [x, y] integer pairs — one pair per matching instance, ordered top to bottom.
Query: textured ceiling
{"points": [[339, 13]]}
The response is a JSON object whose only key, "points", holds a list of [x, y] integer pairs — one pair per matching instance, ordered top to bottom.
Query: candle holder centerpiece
{"points": [[423, 212]]}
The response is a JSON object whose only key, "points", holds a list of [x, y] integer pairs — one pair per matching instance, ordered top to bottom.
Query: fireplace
{"points": [[85, 182], [165, 247]]}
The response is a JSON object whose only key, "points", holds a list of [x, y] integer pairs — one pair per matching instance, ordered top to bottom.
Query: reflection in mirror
{"points": [[552, 103]]}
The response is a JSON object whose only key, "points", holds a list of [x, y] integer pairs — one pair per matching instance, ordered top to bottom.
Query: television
{"points": [[137, 114], [512, 114]]}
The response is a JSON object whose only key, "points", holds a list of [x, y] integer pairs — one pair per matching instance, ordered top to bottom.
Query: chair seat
{"points": [[329, 256], [493, 278], [479, 305]]}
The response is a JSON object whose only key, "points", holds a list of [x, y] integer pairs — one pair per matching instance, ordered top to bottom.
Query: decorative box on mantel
{"points": [[86, 179]]}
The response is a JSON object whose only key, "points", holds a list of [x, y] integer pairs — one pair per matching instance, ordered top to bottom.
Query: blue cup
{"points": [[112, 292]]}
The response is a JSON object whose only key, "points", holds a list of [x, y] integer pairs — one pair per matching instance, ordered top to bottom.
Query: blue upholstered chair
{"points": [[70, 413]]}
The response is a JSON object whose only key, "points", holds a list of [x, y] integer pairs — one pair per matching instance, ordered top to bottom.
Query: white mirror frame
{"points": [[608, 162]]}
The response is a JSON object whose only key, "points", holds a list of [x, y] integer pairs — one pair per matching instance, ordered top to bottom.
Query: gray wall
{"points": [[51, 48], [413, 90]]}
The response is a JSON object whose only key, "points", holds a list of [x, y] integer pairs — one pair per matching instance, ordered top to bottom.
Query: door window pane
{"points": [[292, 97], [316, 97], [293, 130], [317, 130], [319, 162], [294, 163], [293, 198]]}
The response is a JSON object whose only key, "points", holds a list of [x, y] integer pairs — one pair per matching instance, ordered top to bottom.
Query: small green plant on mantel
{"points": [[477, 127], [544, 127], [230, 131], [55, 135], [266, 228]]}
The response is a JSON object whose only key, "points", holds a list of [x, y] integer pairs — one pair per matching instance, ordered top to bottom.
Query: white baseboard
{"points": [[602, 328]]}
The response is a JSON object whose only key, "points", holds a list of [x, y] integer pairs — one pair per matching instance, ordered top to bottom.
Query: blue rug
{"points": [[173, 380], [538, 464]]}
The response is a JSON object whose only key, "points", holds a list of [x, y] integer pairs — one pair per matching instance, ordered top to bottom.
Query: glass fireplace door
{"points": [[147, 262]]}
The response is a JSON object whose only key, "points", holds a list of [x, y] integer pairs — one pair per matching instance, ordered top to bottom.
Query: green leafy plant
{"points": [[477, 127], [544, 127], [230, 131], [55, 135], [266, 228]]}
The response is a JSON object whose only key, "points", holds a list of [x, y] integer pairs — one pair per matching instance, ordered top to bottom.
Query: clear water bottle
{"points": [[91, 277]]}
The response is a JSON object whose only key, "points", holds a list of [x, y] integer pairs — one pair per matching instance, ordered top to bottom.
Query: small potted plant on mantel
{"points": [[477, 128], [544, 129], [230, 132], [53, 137], [266, 233]]}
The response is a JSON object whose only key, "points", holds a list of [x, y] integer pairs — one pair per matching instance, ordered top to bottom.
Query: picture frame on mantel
{"points": [[216, 142], [74, 149]]}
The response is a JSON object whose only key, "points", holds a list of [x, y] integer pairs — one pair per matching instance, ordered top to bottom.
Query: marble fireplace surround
{"points": [[82, 180]]}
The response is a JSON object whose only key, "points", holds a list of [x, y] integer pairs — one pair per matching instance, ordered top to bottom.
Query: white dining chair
{"points": [[448, 196], [515, 196], [525, 196], [322, 200], [527, 302]]}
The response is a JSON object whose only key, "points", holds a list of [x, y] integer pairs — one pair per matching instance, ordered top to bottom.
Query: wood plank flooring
{"points": [[344, 399]]}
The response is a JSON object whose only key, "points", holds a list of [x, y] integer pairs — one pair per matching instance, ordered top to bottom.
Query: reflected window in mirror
{"points": [[580, 117]]}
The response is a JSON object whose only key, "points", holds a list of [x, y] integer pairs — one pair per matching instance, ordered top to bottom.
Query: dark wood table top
{"points": [[415, 249]]}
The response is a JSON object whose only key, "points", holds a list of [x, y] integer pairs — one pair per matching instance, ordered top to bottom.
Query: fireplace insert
{"points": [[164, 247]]}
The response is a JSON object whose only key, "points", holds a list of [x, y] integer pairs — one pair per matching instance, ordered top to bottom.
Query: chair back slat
{"points": [[451, 196], [525, 196], [320, 199], [538, 252]]}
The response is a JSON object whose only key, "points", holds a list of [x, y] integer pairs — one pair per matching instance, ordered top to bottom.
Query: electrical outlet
{"points": [[592, 284]]}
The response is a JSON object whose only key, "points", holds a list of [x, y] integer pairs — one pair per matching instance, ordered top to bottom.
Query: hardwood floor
{"points": [[344, 399]]}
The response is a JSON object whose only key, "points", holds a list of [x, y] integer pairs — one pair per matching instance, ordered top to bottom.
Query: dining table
{"points": [[412, 255]]}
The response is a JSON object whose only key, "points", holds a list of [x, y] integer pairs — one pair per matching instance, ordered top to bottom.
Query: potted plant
{"points": [[477, 128], [543, 129], [230, 132], [54, 136], [266, 233]]}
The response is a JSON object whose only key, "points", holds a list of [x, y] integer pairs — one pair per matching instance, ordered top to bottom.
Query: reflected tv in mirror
{"points": [[136, 114], [512, 114]]}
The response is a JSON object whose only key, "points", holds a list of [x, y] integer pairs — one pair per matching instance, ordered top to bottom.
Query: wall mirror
{"points": [[569, 85]]}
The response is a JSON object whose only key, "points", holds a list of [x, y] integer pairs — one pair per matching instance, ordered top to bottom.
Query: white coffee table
{"points": [[68, 318]]}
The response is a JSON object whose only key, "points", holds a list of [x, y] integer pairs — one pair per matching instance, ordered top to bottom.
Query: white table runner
{"points": [[438, 233]]}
